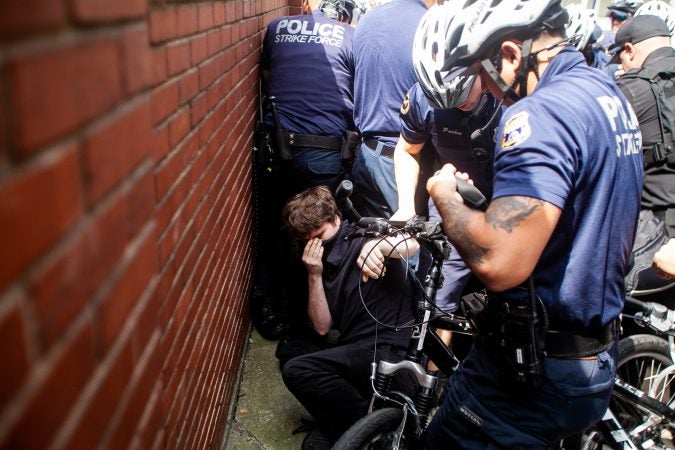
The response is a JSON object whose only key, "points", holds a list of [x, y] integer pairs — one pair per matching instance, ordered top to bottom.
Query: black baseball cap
{"points": [[635, 30]]}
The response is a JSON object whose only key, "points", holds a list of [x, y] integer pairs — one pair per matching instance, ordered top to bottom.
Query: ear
{"points": [[510, 53]]}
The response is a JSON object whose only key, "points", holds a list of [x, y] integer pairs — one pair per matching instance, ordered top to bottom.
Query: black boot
{"points": [[265, 316]]}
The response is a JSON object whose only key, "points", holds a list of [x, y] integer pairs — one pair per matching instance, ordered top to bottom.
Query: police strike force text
{"points": [[297, 31]]}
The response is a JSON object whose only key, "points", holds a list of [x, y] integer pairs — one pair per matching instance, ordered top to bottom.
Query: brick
{"points": [[107, 10], [218, 14], [27, 16], [205, 17], [186, 20], [162, 24], [226, 36], [213, 42], [198, 49], [178, 57], [137, 61], [159, 65], [208, 72], [189, 85], [55, 93], [164, 101], [198, 109], [179, 127], [161, 143], [113, 151], [140, 203], [38, 206], [62, 288], [115, 309], [148, 322], [14, 353], [145, 385], [55, 395], [98, 413], [152, 421]]}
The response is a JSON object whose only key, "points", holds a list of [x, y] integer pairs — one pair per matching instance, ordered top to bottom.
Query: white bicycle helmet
{"points": [[338, 9], [659, 9], [581, 23], [476, 27], [441, 88]]}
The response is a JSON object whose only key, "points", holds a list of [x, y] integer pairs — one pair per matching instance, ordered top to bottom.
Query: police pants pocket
{"points": [[579, 377]]}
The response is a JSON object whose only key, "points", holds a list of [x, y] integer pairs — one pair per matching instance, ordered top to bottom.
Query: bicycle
{"points": [[641, 413], [390, 425]]}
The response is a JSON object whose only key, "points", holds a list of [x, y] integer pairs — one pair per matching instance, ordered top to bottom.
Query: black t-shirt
{"points": [[659, 187], [389, 299]]}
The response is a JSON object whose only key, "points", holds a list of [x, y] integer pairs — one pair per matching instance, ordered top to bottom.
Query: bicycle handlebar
{"points": [[654, 315]]}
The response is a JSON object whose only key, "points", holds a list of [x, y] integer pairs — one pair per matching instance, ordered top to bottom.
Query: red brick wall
{"points": [[125, 259]]}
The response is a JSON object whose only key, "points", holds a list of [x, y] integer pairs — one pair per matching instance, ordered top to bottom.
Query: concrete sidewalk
{"points": [[266, 413]]}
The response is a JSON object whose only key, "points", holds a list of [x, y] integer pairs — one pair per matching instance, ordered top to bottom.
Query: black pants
{"points": [[334, 384]]}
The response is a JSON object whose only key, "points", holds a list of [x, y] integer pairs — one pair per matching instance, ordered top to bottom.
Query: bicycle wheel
{"points": [[642, 358], [374, 431]]}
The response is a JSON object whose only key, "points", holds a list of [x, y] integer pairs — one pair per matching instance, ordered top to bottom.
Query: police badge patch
{"points": [[405, 106], [516, 130]]}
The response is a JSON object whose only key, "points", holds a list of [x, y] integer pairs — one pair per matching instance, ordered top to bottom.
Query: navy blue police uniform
{"points": [[383, 44], [311, 69], [450, 133], [574, 143], [333, 384]]}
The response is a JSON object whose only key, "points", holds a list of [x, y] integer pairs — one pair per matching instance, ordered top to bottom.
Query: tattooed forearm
{"points": [[507, 212], [455, 225]]}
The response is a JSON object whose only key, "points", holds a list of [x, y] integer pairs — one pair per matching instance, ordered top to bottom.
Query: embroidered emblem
{"points": [[405, 106], [516, 130]]}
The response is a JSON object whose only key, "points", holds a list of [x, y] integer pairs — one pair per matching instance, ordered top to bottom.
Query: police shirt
{"points": [[383, 44], [311, 68], [450, 131], [575, 143], [659, 188], [389, 298]]}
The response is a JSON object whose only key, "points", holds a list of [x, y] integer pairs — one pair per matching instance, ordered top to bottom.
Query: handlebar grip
{"points": [[471, 194], [645, 307]]}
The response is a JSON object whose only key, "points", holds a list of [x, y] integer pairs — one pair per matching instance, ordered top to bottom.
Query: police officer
{"points": [[620, 11], [583, 27], [643, 45], [307, 69], [384, 73], [459, 120], [567, 183]]}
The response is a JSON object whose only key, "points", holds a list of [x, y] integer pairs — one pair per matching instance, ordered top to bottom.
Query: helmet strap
{"points": [[528, 61], [506, 90]]}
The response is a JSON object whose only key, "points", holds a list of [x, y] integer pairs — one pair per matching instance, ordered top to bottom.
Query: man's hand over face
{"points": [[312, 255]]}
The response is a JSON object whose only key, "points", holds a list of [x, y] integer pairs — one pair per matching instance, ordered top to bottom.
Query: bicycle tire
{"points": [[642, 357], [371, 431]]}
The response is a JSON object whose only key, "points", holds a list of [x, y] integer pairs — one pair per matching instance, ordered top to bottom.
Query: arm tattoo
{"points": [[508, 212], [455, 225]]}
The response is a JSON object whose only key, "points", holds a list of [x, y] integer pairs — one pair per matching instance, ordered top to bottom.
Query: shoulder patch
{"points": [[405, 106], [516, 130]]}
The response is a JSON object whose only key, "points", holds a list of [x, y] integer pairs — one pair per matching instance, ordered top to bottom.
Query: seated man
{"points": [[333, 383]]}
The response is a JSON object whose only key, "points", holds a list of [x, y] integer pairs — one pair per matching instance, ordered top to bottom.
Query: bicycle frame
{"points": [[660, 319]]}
